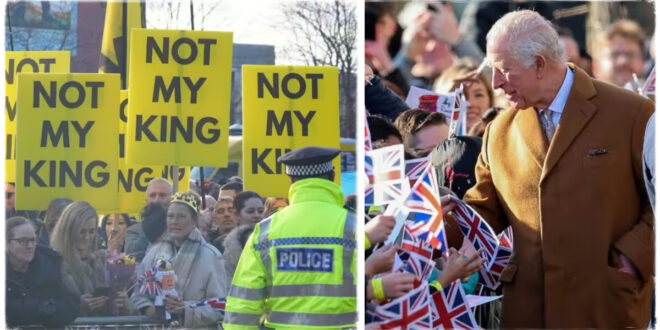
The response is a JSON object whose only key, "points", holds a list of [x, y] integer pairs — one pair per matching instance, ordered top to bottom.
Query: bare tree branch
{"points": [[324, 34]]}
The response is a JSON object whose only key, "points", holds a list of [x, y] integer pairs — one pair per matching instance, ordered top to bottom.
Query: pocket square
{"points": [[597, 152]]}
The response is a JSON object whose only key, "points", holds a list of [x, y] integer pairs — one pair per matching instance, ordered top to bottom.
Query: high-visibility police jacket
{"points": [[298, 267]]}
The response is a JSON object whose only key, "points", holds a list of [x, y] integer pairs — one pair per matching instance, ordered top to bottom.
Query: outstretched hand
{"points": [[380, 261], [459, 266]]}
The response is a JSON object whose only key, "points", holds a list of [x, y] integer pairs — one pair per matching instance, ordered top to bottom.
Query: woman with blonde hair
{"points": [[478, 90], [74, 238]]}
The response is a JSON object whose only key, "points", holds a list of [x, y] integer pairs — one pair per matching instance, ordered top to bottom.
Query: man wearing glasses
{"points": [[621, 53]]}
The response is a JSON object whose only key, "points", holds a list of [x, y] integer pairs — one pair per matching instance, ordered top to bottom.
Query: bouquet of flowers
{"points": [[120, 274]]}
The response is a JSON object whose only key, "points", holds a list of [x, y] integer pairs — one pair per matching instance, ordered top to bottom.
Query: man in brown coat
{"points": [[569, 183]]}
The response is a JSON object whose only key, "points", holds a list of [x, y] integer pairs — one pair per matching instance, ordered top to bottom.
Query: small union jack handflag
{"points": [[455, 117], [457, 124], [415, 168], [385, 171], [369, 189], [424, 203], [475, 228], [506, 237], [412, 244], [502, 257], [417, 265], [491, 277], [488, 279], [148, 283], [216, 303], [450, 309], [411, 311]]}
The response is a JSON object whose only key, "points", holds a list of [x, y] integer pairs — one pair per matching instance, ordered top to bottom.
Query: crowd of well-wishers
{"points": [[425, 45], [69, 261]]}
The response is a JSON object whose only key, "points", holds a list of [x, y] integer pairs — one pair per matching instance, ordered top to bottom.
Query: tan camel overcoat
{"points": [[574, 206]]}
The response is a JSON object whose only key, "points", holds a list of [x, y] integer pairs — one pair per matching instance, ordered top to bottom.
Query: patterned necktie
{"points": [[548, 125]]}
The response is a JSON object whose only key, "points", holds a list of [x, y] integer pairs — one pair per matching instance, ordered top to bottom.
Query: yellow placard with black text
{"points": [[15, 63], [180, 92], [286, 108], [68, 144], [134, 179]]}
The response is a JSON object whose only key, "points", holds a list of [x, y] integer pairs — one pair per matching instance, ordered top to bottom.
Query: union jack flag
{"points": [[455, 116], [457, 124], [415, 168], [385, 172], [369, 190], [424, 204], [476, 230], [506, 237], [412, 244], [502, 257], [417, 265], [491, 277], [488, 279], [148, 283], [215, 303], [450, 309], [411, 311]]}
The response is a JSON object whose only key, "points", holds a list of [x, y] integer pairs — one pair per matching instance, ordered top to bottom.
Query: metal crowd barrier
{"points": [[116, 322], [123, 322]]}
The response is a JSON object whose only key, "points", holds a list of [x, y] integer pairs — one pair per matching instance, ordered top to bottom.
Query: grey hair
{"points": [[530, 35], [156, 181]]}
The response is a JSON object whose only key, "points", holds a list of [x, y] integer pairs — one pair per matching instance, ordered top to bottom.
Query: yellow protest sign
{"points": [[15, 63], [180, 92], [286, 108], [68, 144], [134, 179]]}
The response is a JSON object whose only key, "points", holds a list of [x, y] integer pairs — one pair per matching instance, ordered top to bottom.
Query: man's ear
{"points": [[540, 64]]}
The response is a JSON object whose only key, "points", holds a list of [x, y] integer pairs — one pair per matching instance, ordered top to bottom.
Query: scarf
{"points": [[183, 260]]}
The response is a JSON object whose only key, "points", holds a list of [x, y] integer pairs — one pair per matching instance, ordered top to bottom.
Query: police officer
{"points": [[298, 267]]}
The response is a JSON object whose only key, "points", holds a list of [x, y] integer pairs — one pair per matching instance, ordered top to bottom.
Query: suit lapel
{"points": [[577, 113], [528, 125]]}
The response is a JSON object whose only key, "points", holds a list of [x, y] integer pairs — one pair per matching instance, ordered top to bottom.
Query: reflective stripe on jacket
{"points": [[298, 267]]}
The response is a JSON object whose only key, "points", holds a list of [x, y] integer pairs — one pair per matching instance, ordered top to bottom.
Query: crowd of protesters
{"points": [[429, 46], [99, 258]]}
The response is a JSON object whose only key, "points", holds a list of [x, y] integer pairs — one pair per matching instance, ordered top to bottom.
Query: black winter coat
{"points": [[380, 100], [39, 296]]}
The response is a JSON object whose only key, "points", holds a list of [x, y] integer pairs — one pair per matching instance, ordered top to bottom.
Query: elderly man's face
{"points": [[517, 81]]}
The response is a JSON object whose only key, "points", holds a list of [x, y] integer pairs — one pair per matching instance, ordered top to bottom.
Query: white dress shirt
{"points": [[558, 104]]}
